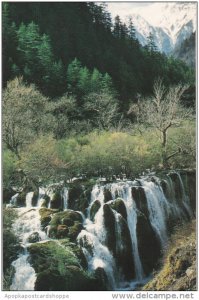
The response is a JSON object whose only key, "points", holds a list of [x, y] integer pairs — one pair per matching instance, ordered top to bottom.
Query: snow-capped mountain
{"points": [[170, 23], [143, 29]]}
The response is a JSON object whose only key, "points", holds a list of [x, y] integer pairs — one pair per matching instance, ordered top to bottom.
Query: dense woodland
{"points": [[76, 90]]}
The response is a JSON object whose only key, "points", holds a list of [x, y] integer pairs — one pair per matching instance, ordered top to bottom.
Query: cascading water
{"points": [[123, 190], [157, 205], [105, 223], [27, 224]]}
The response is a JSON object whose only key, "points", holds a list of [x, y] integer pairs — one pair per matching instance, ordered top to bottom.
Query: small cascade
{"points": [[29, 197], [65, 198], [185, 198], [157, 205], [132, 221], [27, 228], [92, 240], [25, 276]]}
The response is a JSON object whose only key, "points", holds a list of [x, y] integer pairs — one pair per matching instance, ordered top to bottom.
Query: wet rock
{"points": [[191, 183], [177, 187], [7, 194], [107, 195], [79, 196], [139, 197], [35, 198], [21, 199], [56, 201], [119, 206], [94, 209], [45, 216], [67, 221], [109, 223], [62, 231], [74, 231], [34, 238], [148, 244], [124, 257], [63, 273], [100, 274]]}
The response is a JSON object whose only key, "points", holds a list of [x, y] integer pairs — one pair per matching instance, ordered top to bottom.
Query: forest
{"points": [[76, 85], [83, 99]]}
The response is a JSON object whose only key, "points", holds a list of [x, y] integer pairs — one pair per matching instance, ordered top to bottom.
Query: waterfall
{"points": [[123, 190], [29, 197], [65, 198], [185, 198], [156, 202], [113, 220], [132, 222], [27, 224], [93, 237]]}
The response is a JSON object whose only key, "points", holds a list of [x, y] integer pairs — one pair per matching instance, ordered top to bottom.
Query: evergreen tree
{"points": [[96, 81]]}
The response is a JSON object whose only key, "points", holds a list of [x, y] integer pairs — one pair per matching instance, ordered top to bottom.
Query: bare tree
{"points": [[103, 108], [162, 111], [23, 114]]}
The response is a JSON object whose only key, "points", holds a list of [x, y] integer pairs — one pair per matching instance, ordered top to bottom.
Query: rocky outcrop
{"points": [[119, 206], [94, 209], [109, 223], [61, 224], [148, 244], [64, 272], [178, 272]]}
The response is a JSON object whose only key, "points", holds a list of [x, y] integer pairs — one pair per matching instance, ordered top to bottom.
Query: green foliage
{"points": [[23, 114], [9, 166], [10, 245]]}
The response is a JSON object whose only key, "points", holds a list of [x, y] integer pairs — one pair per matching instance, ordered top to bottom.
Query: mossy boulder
{"points": [[7, 194], [107, 195], [139, 197], [56, 201], [120, 207], [94, 209], [45, 216], [67, 223], [109, 223], [75, 230], [62, 231], [34, 238], [148, 244], [58, 269]]}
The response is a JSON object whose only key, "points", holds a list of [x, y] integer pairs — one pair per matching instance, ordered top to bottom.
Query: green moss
{"points": [[45, 216], [75, 230], [58, 269]]}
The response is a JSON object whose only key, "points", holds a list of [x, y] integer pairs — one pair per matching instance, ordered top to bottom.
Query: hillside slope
{"points": [[179, 265]]}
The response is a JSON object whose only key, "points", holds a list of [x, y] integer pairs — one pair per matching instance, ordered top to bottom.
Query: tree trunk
{"points": [[164, 144]]}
